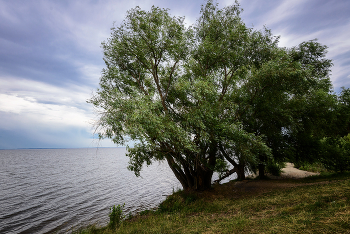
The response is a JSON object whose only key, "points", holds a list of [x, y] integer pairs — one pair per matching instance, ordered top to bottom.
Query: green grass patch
{"points": [[313, 167], [313, 205]]}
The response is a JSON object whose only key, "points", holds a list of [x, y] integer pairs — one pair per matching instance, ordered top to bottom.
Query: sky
{"points": [[51, 57]]}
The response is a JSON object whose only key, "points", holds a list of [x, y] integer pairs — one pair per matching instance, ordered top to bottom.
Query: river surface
{"points": [[55, 190], [60, 190]]}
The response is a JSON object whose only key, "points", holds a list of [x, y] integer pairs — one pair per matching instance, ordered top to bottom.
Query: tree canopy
{"points": [[210, 95]]}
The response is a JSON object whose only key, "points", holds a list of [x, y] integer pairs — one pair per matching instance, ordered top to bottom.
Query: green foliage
{"points": [[215, 93], [342, 124], [335, 154], [221, 166], [312, 167], [275, 168], [177, 202], [171, 204], [145, 212], [116, 216], [129, 216], [91, 229]]}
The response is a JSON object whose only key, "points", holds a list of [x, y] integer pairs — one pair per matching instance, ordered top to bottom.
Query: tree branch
{"points": [[170, 78], [227, 157], [227, 174]]}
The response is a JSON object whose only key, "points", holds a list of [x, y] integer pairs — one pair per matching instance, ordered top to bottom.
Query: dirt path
{"points": [[292, 173], [237, 189]]}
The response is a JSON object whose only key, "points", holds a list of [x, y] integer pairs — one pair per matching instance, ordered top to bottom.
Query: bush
{"points": [[335, 154], [313, 167], [274, 168], [178, 201], [173, 203], [116, 216]]}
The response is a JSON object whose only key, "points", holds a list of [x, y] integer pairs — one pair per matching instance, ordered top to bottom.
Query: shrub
{"points": [[335, 154], [313, 167], [274, 168], [172, 203], [116, 216]]}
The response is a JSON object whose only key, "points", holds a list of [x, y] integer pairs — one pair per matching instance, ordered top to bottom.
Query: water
{"points": [[55, 190], [58, 190]]}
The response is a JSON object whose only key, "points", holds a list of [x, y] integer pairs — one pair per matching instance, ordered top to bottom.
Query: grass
{"points": [[313, 167], [319, 204]]}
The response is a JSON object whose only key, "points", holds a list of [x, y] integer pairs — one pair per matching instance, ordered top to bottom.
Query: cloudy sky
{"points": [[51, 59]]}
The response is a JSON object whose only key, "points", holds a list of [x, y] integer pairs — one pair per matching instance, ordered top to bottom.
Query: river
{"points": [[57, 190], [60, 190]]}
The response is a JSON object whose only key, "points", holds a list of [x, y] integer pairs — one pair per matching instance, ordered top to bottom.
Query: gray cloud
{"points": [[300, 20], [50, 57]]}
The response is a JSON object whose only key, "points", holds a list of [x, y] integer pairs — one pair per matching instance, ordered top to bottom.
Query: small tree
{"points": [[116, 216]]}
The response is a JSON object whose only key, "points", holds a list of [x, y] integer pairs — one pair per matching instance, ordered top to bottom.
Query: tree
{"points": [[198, 97], [289, 97], [342, 125], [334, 151]]}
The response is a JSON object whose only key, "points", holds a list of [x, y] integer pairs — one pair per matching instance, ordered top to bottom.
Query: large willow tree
{"points": [[192, 95]]}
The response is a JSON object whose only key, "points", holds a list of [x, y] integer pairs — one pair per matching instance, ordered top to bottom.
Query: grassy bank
{"points": [[312, 205]]}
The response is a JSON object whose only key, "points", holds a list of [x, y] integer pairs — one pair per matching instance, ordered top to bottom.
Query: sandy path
{"points": [[290, 172]]}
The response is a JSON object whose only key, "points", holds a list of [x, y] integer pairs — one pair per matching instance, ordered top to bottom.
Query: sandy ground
{"points": [[291, 172]]}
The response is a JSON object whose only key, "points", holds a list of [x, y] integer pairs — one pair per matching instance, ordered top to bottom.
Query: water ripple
{"points": [[53, 190]]}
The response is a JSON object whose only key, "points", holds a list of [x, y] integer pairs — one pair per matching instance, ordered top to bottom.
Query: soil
{"points": [[250, 187]]}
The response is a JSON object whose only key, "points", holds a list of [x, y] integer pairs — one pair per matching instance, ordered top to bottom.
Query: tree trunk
{"points": [[261, 166], [239, 167], [261, 170], [240, 172], [178, 173], [198, 174], [199, 180], [203, 180]]}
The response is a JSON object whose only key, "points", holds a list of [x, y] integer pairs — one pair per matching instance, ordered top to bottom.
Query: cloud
{"points": [[298, 21], [336, 39], [51, 59], [41, 92], [32, 106], [32, 110], [35, 114], [35, 134]]}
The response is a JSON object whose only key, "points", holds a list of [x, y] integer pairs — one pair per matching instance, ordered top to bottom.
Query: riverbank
{"points": [[317, 204]]}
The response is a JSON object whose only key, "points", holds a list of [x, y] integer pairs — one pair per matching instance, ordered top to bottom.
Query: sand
{"points": [[291, 172]]}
